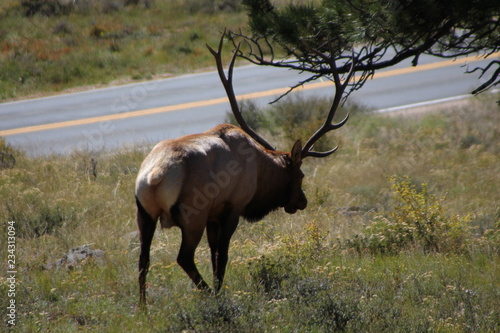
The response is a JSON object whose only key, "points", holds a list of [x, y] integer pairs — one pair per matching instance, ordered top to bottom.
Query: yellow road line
{"points": [[273, 92]]}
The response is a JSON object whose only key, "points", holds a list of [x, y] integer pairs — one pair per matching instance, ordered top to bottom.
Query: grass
{"points": [[106, 42], [325, 269]]}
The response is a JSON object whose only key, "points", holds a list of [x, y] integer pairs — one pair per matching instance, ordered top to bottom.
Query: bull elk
{"points": [[208, 180]]}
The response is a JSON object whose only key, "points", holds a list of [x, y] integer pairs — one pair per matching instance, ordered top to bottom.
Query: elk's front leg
{"points": [[219, 235], [190, 239], [213, 239]]}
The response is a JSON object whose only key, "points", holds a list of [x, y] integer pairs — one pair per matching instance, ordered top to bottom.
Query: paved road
{"points": [[145, 113]]}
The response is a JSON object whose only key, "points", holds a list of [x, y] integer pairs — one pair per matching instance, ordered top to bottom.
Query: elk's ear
{"points": [[296, 154]]}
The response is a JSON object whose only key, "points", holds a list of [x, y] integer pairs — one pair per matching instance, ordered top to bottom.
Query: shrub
{"points": [[212, 6], [46, 7], [64, 7], [62, 28], [255, 117], [295, 117], [7, 155], [35, 217], [417, 219], [490, 240], [308, 244], [269, 274], [334, 312], [210, 314]]}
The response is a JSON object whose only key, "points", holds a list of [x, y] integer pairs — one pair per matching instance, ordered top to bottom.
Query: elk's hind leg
{"points": [[147, 226]]}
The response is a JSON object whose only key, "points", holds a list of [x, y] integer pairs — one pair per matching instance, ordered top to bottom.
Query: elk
{"points": [[207, 181]]}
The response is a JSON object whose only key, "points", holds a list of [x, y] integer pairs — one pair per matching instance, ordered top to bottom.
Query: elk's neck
{"points": [[274, 174], [272, 186]]}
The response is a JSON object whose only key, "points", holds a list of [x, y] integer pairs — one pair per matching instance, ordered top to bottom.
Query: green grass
{"points": [[103, 42], [307, 272]]}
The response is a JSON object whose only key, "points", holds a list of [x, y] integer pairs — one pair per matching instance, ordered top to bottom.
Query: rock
{"points": [[75, 256]]}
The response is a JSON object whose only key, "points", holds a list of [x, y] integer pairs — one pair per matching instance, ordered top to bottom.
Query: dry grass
{"points": [[288, 272]]}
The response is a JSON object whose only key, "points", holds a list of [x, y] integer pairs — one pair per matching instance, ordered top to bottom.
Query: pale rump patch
{"points": [[155, 175], [159, 183], [167, 193]]}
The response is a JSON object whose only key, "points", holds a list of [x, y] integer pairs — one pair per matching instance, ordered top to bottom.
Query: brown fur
{"points": [[207, 181]]}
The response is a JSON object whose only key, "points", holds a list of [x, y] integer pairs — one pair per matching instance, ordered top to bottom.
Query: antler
{"points": [[227, 82], [328, 125]]}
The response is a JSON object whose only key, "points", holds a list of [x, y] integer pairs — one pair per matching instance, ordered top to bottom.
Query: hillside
{"points": [[48, 46]]}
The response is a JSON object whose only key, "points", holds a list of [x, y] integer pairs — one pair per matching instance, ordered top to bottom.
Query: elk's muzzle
{"points": [[301, 204]]}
